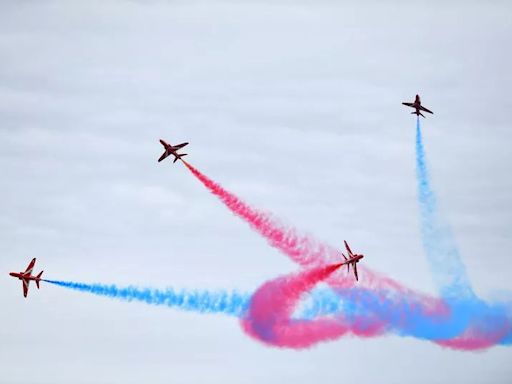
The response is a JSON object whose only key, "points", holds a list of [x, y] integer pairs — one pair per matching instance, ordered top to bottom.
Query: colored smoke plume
{"points": [[304, 249], [443, 256], [228, 303], [288, 312], [325, 314], [269, 318], [458, 320]]}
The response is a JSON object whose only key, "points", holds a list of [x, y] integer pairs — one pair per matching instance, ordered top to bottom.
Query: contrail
{"points": [[443, 256]]}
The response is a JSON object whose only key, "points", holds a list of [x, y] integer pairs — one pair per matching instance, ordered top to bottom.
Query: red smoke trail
{"points": [[303, 249], [269, 316]]}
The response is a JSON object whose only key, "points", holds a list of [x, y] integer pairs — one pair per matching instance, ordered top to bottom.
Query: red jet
{"points": [[417, 105], [172, 150], [352, 259], [26, 276]]}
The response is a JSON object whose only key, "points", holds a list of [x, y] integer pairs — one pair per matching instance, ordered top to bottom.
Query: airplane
{"points": [[417, 105], [172, 150], [352, 259], [26, 276]]}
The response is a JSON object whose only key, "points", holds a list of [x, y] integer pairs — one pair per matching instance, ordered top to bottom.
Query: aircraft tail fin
{"points": [[179, 157], [39, 277]]}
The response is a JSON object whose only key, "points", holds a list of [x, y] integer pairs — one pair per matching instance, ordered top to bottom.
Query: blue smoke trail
{"points": [[446, 265], [232, 303], [402, 315]]}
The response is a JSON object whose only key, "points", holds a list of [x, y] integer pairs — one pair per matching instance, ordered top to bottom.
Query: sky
{"points": [[294, 106]]}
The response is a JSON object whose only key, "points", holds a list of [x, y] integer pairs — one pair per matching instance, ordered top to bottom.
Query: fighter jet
{"points": [[417, 105], [172, 150], [352, 259], [26, 276]]}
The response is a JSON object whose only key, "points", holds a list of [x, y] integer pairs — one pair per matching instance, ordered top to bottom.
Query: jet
{"points": [[417, 105], [172, 150], [352, 259], [26, 276]]}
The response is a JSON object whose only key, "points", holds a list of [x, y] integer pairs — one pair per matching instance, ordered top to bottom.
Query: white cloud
{"points": [[296, 107]]}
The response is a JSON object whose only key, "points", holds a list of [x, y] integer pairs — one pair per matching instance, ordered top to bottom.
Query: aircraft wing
{"points": [[409, 104], [425, 109], [178, 146], [164, 155], [348, 248], [30, 267], [355, 272], [25, 287]]}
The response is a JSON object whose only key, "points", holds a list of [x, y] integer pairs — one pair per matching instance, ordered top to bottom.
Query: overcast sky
{"points": [[295, 106]]}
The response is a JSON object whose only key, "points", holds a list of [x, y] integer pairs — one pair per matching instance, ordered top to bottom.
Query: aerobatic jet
{"points": [[417, 105], [172, 150], [352, 259], [26, 276]]}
